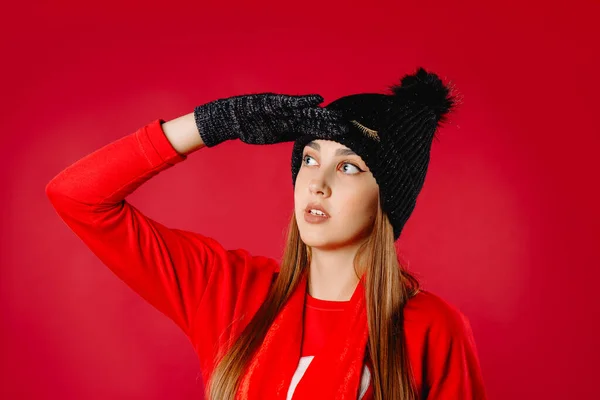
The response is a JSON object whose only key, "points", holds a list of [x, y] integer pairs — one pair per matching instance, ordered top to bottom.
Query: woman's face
{"points": [[332, 176]]}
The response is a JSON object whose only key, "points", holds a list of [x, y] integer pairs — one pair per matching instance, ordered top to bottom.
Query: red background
{"points": [[506, 227]]}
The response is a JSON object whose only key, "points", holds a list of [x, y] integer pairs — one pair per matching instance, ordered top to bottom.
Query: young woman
{"points": [[338, 317]]}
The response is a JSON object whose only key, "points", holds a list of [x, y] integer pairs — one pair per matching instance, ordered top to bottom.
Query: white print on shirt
{"points": [[365, 378]]}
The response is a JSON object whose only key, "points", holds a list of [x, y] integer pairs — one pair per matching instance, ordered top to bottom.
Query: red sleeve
{"points": [[167, 267], [453, 370]]}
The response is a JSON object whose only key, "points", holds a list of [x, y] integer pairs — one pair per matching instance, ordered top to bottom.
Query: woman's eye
{"points": [[305, 157], [354, 166], [357, 170]]}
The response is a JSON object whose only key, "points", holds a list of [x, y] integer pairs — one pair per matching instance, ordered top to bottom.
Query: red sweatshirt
{"points": [[203, 287], [320, 320]]}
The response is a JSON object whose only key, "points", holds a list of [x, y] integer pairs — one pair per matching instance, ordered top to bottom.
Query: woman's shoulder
{"points": [[427, 309], [442, 348]]}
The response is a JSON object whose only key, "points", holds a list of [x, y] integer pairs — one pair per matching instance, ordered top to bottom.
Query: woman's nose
{"points": [[317, 186]]}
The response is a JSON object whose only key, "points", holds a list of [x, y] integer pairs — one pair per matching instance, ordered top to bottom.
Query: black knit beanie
{"points": [[392, 133]]}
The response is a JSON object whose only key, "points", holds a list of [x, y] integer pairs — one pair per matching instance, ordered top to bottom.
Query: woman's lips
{"points": [[314, 219]]}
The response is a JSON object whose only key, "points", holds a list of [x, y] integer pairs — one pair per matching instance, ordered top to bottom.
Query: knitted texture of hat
{"points": [[393, 134]]}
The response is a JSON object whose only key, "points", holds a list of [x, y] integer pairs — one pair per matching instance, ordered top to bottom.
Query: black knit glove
{"points": [[266, 118]]}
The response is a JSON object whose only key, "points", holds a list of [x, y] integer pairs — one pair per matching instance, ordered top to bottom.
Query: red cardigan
{"points": [[202, 286]]}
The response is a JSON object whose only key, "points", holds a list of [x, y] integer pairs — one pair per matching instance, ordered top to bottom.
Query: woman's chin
{"points": [[314, 239], [323, 240]]}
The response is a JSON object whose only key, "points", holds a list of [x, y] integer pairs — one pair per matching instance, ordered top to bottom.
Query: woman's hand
{"points": [[266, 118]]}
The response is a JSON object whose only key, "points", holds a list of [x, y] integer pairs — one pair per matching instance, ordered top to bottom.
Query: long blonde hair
{"points": [[388, 287]]}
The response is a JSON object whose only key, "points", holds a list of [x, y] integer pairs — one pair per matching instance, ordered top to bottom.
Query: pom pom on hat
{"points": [[425, 89]]}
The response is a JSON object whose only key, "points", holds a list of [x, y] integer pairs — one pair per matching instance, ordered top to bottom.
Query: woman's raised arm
{"points": [[168, 267], [172, 268]]}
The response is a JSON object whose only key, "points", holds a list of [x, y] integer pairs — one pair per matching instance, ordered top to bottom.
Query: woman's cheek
{"points": [[353, 205], [361, 205]]}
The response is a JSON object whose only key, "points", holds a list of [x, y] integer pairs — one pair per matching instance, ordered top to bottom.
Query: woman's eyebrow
{"points": [[338, 152], [345, 152]]}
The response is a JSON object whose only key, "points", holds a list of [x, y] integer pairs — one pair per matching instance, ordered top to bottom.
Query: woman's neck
{"points": [[331, 274]]}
